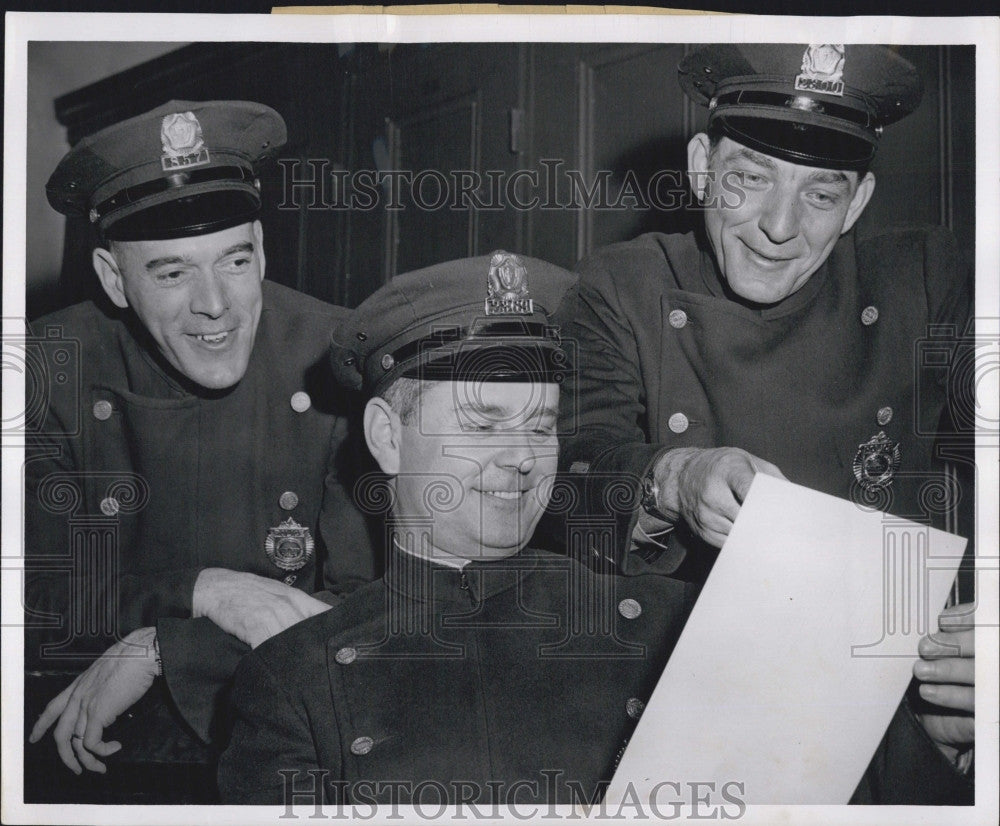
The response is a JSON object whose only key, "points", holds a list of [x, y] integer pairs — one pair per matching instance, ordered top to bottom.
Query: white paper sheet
{"points": [[797, 653]]}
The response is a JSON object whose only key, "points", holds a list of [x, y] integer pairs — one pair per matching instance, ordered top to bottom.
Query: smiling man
{"points": [[775, 341], [197, 435], [477, 670]]}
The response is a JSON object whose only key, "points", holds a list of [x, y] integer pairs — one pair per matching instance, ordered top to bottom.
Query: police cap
{"points": [[820, 105], [184, 168], [475, 319]]}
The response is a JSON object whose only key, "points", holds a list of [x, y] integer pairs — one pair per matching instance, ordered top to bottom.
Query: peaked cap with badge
{"points": [[821, 105], [184, 168], [480, 319]]}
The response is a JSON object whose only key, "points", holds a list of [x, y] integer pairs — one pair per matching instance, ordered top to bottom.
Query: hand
{"points": [[706, 486], [250, 607], [947, 673], [93, 701]]}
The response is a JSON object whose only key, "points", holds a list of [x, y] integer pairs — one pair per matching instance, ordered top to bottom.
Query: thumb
{"points": [[763, 466], [740, 480]]}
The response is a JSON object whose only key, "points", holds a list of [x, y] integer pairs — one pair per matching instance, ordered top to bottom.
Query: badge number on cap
{"points": [[822, 69], [183, 144], [507, 286]]}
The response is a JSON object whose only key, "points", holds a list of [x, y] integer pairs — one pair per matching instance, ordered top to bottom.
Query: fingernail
{"points": [[924, 669], [928, 691]]}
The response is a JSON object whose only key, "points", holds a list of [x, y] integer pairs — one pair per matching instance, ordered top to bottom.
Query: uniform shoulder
{"points": [[903, 239], [637, 259], [292, 302], [85, 318], [298, 323], [655, 588]]}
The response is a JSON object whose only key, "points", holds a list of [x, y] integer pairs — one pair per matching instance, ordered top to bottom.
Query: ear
{"points": [[699, 148], [862, 196], [258, 243], [110, 275], [382, 434]]}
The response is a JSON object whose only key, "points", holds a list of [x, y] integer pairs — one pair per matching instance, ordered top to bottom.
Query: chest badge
{"points": [[876, 461], [289, 545]]}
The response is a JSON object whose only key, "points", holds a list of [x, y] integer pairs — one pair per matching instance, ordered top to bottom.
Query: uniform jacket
{"points": [[668, 359], [138, 481], [436, 674], [511, 681]]}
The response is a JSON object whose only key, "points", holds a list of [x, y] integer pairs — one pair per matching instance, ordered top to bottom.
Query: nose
{"points": [[779, 219], [209, 296], [520, 456]]}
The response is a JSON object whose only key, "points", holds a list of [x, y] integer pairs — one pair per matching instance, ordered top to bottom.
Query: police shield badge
{"points": [[289, 545]]}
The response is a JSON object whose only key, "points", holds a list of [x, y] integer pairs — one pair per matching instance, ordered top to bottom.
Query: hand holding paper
{"points": [[799, 650], [947, 671]]}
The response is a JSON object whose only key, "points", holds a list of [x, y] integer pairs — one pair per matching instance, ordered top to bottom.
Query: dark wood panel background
{"points": [[589, 110]]}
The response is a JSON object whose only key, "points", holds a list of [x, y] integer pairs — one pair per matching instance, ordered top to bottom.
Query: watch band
{"points": [[650, 497]]}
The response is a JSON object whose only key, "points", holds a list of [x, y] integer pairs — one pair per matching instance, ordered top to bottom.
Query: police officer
{"points": [[773, 340], [187, 480], [478, 670], [437, 676]]}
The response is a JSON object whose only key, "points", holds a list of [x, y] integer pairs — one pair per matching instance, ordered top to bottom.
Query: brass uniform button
{"points": [[869, 315], [678, 319], [388, 362], [301, 402], [102, 410], [884, 416], [678, 423], [288, 500], [110, 506], [629, 608], [346, 655], [634, 707], [362, 745]]}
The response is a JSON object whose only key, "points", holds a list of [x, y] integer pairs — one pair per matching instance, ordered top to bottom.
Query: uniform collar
{"points": [[424, 580]]}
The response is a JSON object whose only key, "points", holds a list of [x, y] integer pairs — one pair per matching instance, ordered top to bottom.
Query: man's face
{"points": [[769, 241], [199, 298], [479, 460]]}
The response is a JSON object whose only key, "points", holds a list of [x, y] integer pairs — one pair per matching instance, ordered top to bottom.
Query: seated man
{"points": [[477, 670]]}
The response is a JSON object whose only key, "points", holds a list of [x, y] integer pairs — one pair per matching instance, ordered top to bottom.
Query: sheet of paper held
{"points": [[797, 653]]}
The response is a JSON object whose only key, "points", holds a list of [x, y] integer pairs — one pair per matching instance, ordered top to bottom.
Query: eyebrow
{"points": [[754, 157], [822, 176], [830, 176], [243, 246]]}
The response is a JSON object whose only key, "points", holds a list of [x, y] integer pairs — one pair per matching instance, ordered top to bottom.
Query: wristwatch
{"points": [[650, 496]]}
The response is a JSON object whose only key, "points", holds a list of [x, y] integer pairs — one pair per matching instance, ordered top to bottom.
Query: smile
{"points": [[766, 260], [212, 338], [503, 494]]}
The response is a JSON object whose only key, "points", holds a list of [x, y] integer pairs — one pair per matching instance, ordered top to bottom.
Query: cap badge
{"points": [[822, 69], [183, 145], [507, 286], [876, 461], [289, 546]]}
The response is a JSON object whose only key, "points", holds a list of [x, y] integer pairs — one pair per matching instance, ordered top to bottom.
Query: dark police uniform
{"points": [[668, 360], [842, 385], [139, 479], [183, 481], [441, 676], [509, 681], [478, 686]]}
